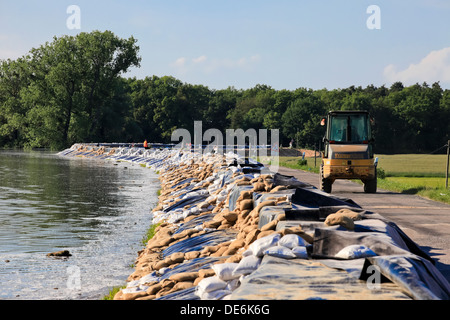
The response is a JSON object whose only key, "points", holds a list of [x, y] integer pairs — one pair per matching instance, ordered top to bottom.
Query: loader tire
{"points": [[325, 184], [370, 186]]}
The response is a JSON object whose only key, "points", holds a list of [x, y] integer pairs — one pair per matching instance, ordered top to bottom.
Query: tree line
{"points": [[72, 89]]}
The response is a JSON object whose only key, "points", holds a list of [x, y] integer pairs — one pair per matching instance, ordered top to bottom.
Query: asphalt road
{"points": [[425, 221]]}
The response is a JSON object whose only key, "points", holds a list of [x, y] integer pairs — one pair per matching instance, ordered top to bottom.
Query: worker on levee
{"points": [[145, 144]]}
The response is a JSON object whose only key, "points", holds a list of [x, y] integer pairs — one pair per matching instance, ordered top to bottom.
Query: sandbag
{"points": [[291, 240], [258, 246], [280, 252], [300, 252], [355, 252], [247, 265], [225, 271], [211, 284]]}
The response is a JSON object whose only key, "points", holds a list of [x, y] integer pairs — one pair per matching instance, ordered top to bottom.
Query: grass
{"points": [[295, 163], [413, 165], [419, 174], [149, 234], [112, 292]]}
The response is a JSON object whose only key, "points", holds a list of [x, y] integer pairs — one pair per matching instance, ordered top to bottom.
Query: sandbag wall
{"points": [[229, 229]]}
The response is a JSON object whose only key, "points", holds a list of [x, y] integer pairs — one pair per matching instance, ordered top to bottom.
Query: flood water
{"points": [[98, 210]]}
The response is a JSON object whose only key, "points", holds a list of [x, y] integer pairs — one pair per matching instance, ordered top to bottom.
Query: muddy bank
{"points": [[231, 229]]}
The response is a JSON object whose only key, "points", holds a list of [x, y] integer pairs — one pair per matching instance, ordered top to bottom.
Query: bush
{"points": [[302, 162], [380, 173]]}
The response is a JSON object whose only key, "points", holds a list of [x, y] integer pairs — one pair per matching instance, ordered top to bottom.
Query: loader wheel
{"points": [[325, 184], [370, 186]]}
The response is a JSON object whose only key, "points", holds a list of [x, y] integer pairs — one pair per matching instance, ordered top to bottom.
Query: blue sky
{"points": [[284, 44]]}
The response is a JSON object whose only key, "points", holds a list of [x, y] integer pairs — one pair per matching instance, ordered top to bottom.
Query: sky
{"points": [[285, 44]]}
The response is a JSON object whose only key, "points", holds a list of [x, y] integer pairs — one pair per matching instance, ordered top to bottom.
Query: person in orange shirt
{"points": [[145, 144]]}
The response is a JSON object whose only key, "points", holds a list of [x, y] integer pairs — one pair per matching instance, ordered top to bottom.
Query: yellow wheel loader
{"points": [[348, 150]]}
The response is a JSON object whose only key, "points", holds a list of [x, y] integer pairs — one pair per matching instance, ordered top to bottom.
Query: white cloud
{"points": [[199, 59], [179, 63], [434, 67]]}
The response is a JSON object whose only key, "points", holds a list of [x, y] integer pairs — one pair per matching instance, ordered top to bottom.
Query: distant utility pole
{"points": [[448, 157]]}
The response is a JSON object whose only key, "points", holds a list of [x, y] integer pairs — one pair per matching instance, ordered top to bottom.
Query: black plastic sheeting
{"points": [[284, 180], [314, 198], [187, 201], [197, 221], [328, 242], [197, 243], [192, 266], [415, 275], [306, 279]]}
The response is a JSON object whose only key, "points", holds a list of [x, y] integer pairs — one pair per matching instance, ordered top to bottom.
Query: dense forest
{"points": [[72, 90]]}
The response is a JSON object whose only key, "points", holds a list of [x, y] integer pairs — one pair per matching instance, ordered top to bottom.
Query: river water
{"points": [[98, 210]]}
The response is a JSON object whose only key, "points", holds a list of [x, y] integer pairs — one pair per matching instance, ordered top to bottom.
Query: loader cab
{"points": [[347, 128], [348, 149]]}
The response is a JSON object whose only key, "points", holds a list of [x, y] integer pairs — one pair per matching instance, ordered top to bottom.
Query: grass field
{"points": [[419, 174]]}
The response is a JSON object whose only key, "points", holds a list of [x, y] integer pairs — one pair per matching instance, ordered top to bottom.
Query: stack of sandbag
{"points": [[208, 178], [228, 275]]}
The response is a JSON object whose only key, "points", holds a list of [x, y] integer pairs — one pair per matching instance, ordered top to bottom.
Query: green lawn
{"points": [[413, 165], [419, 174]]}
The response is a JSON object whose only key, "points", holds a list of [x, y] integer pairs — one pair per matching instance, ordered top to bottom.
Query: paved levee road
{"points": [[426, 222]]}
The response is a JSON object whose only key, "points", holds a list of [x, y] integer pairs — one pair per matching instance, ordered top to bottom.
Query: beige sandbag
{"points": [[259, 186], [278, 188], [245, 195], [246, 204], [261, 205], [350, 213], [231, 216], [339, 219], [213, 224], [270, 226], [263, 234], [252, 236], [238, 243], [210, 249], [230, 251], [219, 252], [191, 255], [176, 257], [236, 258], [160, 264], [204, 273], [184, 276], [183, 285], [154, 288]]}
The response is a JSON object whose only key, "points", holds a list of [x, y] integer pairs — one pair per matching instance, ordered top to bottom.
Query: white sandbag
{"points": [[291, 240], [263, 243], [280, 252], [300, 252], [354, 252], [247, 253], [247, 265], [225, 270], [211, 284], [233, 284], [214, 295]]}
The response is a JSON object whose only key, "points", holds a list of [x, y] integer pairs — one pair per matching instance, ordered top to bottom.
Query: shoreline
{"points": [[227, 229]]}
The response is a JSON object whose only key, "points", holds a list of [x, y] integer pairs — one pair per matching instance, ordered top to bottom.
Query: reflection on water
{"points": [[98, 210]]}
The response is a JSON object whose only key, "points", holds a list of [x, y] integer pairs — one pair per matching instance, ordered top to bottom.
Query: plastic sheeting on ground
{"points": [[197, 243], [415, 275], [300, 279]]}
